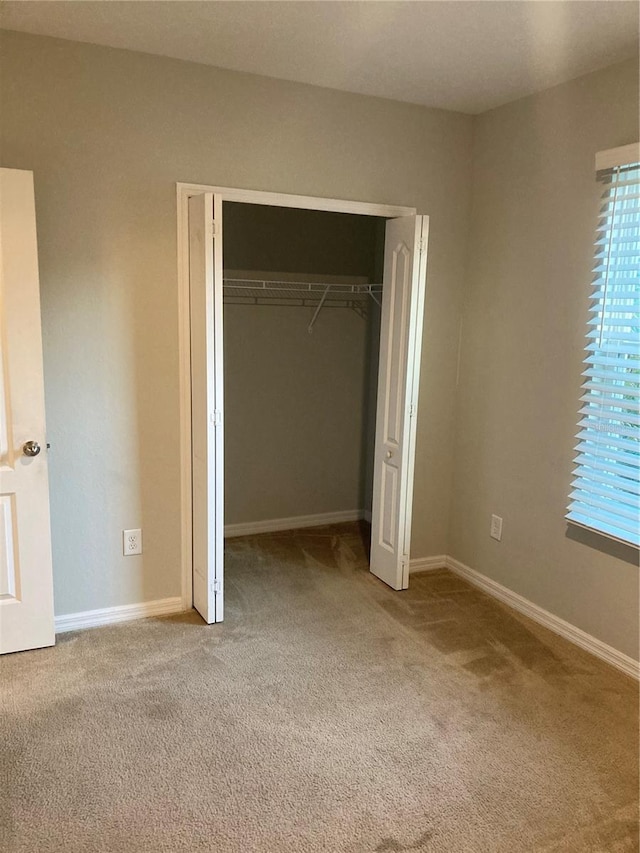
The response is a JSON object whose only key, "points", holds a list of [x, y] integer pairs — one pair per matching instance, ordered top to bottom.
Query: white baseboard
{"points": [[249, 528], [428, 564], [124, 613], [554, 623]]}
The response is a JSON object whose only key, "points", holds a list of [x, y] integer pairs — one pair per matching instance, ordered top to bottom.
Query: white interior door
{"points": [[405, 265], [205, 280], [26, 580]]}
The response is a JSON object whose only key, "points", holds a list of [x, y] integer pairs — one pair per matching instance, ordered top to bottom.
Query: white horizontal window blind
{"points": [[605, 492]]}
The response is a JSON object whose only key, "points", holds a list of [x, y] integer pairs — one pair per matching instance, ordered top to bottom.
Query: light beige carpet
{"points": [[327, 713]]}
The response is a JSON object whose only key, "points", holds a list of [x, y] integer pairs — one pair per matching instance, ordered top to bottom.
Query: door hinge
{"points": [[213, 228], [422, 245], [412, 409], [216, 417], [216, 587]]}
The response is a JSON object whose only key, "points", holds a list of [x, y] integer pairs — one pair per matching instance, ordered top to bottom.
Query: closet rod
{"points": [[306, 286], [328, 293]]}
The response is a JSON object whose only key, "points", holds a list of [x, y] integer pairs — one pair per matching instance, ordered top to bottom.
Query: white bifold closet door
{"points": [[405, 262], [205, 282], [399, 372]]}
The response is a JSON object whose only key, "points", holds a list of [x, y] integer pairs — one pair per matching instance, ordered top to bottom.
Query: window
{"points": [[605, 493]]}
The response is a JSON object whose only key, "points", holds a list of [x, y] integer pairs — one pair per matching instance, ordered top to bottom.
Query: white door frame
{"points": [[183, 192]]}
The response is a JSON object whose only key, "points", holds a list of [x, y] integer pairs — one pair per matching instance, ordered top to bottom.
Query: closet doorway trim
{"points": [[184, 191]]}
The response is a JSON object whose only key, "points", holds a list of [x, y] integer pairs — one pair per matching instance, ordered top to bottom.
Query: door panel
{"points": [[205, 281], [400, 285], [399, 373], [389, 505], [9, 571], [26, 579]]}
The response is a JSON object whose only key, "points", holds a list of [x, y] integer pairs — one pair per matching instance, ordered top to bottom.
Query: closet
{"points": [[302, 292], [305, 334]]}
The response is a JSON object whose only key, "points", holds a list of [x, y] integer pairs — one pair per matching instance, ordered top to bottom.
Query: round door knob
{"points": [[31, 448], [389, 454]]}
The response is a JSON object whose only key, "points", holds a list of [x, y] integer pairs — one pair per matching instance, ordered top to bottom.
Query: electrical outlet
{"points": [[496, 527], [131, 542]]}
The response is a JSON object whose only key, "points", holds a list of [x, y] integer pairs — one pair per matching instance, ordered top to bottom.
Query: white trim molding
{"points": [[302, 202], [249, 528], [428, 564], [123, 613], [554, 623]]}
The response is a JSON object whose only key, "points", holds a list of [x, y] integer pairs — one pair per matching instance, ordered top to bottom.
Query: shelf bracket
{"points": [[375, 299], [319, 308]]}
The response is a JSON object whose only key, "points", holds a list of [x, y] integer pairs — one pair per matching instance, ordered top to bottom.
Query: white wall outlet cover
{"points": [[496, 527], [131, 542]]}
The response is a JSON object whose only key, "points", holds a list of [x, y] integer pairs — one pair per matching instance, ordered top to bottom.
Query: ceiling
{"points": [[466, 55]]}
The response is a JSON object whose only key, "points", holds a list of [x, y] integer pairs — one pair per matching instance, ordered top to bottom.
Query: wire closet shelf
{"points": [[318, 295]]}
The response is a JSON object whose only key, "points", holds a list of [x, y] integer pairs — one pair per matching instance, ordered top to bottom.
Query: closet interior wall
{"points": [[299, 407]]}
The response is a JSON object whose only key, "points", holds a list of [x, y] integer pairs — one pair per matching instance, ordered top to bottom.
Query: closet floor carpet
{"points": [[327, 713]]}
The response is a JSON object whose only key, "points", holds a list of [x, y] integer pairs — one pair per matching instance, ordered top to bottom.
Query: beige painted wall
{"points": [[107, 134], [535, 201], [295, 412], [298, 417]]}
